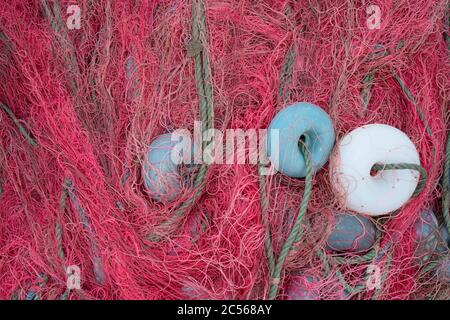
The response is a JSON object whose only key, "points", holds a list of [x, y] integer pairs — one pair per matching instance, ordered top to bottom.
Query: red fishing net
{"points": [[85, 103]]}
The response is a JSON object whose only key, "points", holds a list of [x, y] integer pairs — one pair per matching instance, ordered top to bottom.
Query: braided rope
{"points": [[56, 21], [196, 49], [286, 75], [207, 78], [367, 89], [283, 95], [413, 101], [16, 121], [405, 166], [265, 218], [58, 229], [58, 234], [294, 234], [374, 255], [367, 257], [357, 259], [97, 266], [429, 267], [327, 268], [384, 276], [41, 282], [65, 295], [14, 296]]}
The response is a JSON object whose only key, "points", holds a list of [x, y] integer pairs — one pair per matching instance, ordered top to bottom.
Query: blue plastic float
{"points": [[306, 121], [161, 175], [353, 233], [427, 235], [445, 235], [443, 270], [303, 287]]}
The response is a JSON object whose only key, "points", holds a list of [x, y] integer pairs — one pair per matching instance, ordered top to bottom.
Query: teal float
{"points": [[300, 121], [160, 170], [192, 230], [352, 233], [445, 235], [427, 236], [432, 240], [443, 270], [303, 287]]}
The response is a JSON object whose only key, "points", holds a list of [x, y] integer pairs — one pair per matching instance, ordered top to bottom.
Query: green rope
{"points": [[55, 18], [197, 49], [201, 66], [286, 75], [207, 78], [368, 83], [366, 90], [283, 95], [365, 96], [413, 101], [21, 128], [2, 161], [406, 166], [120, 206], [179, 213], [265, 218], [58, 229], [58, 232], [294, 234], [375, 254], [367, 257], [357, 259], [97, 265], [429, 267], [327, 268], [383, 277], [41, 282], [65, 295]]}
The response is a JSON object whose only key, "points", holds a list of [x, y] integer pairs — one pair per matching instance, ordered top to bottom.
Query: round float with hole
{"points": [[305, 122], [160, 170], [354, 181]]}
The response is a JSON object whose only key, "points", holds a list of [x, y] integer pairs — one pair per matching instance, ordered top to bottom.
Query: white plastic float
{"points": [[352, 177]]}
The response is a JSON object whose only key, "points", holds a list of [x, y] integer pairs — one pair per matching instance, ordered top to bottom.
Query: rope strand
{"points": [[196, 49], [16, 121], [406, 166], [294, 234]]}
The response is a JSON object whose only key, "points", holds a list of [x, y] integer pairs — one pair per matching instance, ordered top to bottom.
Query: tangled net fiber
{"points": [[79, 108]]}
